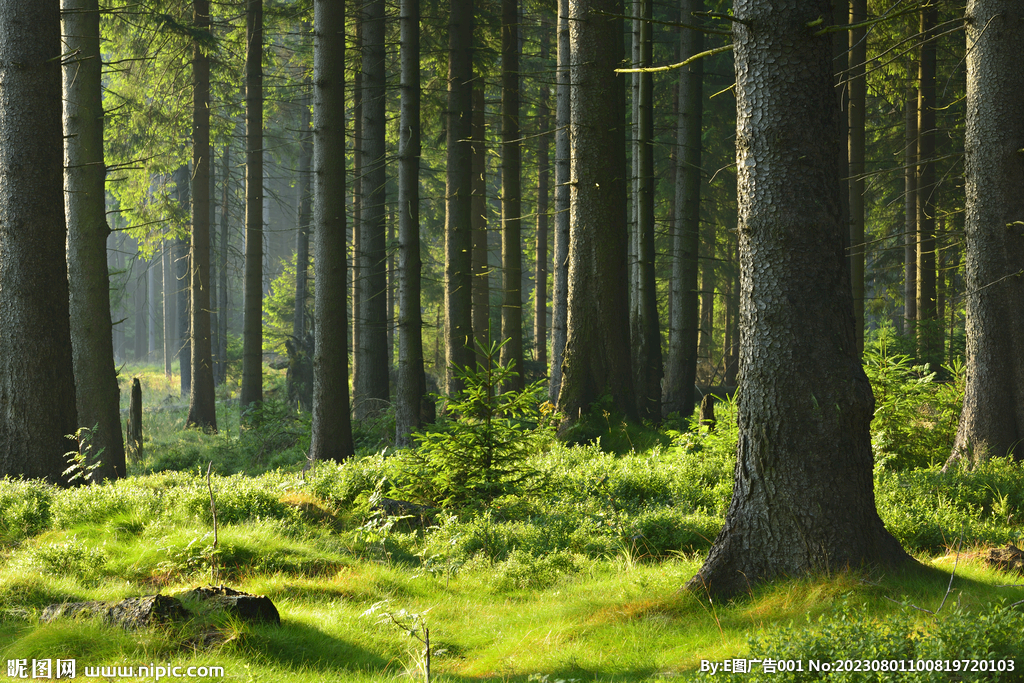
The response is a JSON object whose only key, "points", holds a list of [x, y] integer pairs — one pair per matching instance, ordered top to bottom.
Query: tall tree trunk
{"points": [[858, 101], [458, 196], [511, 198], [85, 207], [910, 213], [560, 257], [180, 258], [358, 262], [222, 268], [481, 268], [215, 293], [540, 298], [170, 300], [141, 309], [152, 309], [252, 316], [684, 322], [299, 326], [646, 331], [706, 333], [929, 345], [597, 353], [37, 382], [373, 389], [410, 397], [202, 403], [992, 420], [331, 437], [803, 496]]}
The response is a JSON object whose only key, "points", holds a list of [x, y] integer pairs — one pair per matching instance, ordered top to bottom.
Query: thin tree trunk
{"points": [[858, 102], [458, 192], [511, 198], [85, 209], [910, 214], [304, 217], [180, 258], [358, 265], [560, 267], [481, 268], [222, 269], [540, 298], [170, 304], [141, 310], [252, 317], [684, 321], [706, 333], [929, 347], [597, 354], [37, 382], [373, 388], [410, 396], [202, 404], [331, 437], [803, 496]]}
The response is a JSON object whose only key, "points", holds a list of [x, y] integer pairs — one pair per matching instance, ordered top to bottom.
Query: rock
{"points": [[1008, 559], [244, 606], [130, 613]]}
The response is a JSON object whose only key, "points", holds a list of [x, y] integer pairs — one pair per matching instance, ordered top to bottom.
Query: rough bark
{"points": [[858, 100], [458, 195], [511, 198], [560, 255], [481, 268], [540, 298], [252, 306], [683, 321], [645, 328], [929, 343], [597, 353], [37, 383], [373, 390], [410, 395], [98, 396], [202, 403], [992, 420], [331, 437], [803, 496]]}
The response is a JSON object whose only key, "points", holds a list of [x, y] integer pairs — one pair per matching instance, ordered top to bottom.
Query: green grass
{"points": [[581, 580]]}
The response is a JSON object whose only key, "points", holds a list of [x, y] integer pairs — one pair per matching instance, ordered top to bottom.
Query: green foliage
{"points": [[915, 417], [481, 451], [24, 509]]}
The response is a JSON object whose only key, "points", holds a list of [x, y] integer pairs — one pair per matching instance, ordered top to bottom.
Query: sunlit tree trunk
{"points": [[85, 209], [910, 213], [560, 256], [540, 305], [252, 307], [929, 344]]}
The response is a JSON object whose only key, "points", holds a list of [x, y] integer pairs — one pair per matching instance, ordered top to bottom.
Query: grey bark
{"points": [[858, 101], [458, 195], [511, 198], [910, 213], [304, 215], [560, 255], [180, 268], [170, 300], [540, 305], [252, 306], [683, 321], [929, 340], [597, 353], [37, 382], [373, 390], [98, 396], [202, 404], [992, 420], [331, 437], [803, 497]]}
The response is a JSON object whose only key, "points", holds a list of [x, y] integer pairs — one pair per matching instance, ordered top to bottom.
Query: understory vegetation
{"points": [[528, 558]]}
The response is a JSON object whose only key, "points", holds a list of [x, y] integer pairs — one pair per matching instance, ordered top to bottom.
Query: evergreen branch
{"points": [[669, 67]]}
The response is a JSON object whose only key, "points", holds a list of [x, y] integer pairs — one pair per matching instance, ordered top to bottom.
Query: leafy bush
{"points": [[24, 508], [72, 558]]}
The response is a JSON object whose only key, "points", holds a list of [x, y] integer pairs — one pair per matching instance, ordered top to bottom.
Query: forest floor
{"points": [[578, 580]]}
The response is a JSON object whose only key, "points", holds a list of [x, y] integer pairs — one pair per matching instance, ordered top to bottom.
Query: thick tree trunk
{"points": [[858, 101], [458, 195], [511, 198], [85, 209], [910, 213], [560, 256], [481, 268], [540, 298], [252, 315], [683, 321], [646, 331], [929, 341], [597, 353], [37, 382], [373, 387], [410, 396], [202, 403], [992, 421], [331, 437], [803, 495]]}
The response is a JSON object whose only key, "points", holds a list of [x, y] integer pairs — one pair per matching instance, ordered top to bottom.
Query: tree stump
{"points": [[707, 411], [134, 427]]}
